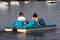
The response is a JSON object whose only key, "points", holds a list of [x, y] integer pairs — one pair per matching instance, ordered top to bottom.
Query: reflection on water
{"points": [[26, 2], [4, 3], [14, 3], [3, 7], [50, 13], [30, 36], [36, 38]]}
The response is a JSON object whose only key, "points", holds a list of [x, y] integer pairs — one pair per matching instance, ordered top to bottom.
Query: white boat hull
{"points": [[7, 29], [30, 30]]}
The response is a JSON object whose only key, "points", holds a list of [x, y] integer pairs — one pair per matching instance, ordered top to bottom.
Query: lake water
{"points": [[50, 13]]}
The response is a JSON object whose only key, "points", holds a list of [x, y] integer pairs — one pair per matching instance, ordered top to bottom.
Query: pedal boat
{"points": [[31, 26]]}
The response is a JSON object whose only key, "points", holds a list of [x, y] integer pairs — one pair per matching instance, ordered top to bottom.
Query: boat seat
{"points": [[42, 21], [16, 24], [32, 24]]}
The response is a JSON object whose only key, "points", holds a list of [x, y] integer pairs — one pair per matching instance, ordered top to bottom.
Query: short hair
{"points": [[21, 13], [34, 14]]}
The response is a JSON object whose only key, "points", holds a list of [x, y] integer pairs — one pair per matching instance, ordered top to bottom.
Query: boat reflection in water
{"points": [[26, 1], [50, 2], [14, 3], [3, 5], [29, 36], [37, 38]]}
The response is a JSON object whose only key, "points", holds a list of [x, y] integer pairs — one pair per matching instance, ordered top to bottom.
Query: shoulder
{"points": [[21, 17], [34, 18]]}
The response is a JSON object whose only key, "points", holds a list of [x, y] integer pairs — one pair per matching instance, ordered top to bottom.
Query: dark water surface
{"points": [[50, 13]]}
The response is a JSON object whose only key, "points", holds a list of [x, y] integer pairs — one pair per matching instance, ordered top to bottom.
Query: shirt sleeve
{"points": [[24, 18]]}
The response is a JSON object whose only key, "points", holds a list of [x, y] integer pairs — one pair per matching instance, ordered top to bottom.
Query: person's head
{"points": [[21, 14], [34, 14]]}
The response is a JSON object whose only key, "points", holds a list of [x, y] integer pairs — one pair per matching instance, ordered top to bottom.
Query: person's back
{"points": [[21, 17], [35, 18]]}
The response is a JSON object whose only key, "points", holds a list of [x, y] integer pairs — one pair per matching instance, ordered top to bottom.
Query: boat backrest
{"points": [[42, 21], [18, 23], [32, 23]]}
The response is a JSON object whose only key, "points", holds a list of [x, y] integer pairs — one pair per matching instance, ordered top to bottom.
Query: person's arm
{"points": [[25, 20], [38, 21]]}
